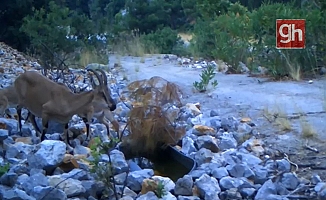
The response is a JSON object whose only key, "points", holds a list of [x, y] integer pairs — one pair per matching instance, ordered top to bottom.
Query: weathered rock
{"points": [[203, 130], [4, 134], [227, 141], [207, 142], [188, 145], [19, 150], [49, 155], [203, 156], [283, 165], [240, 170], [220, 172], [9, 179], [135, 179], [34, 180], [290, 181], [184, 185], [71, 187], [208, 187], [268, 188], [48, 193], [232, 193], [15, 194], [148, 196]]}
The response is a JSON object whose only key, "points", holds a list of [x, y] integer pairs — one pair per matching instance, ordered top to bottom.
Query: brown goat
{"points": [[51, 101], [102, 109]]}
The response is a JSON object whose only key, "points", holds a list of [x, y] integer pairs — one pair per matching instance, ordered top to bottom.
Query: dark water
{"points": [[170, 168]]}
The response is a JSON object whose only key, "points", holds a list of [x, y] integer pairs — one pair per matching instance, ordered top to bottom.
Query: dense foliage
{"points": [[229, 30]]}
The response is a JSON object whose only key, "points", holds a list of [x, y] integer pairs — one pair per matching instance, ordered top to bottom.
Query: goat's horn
{"points": [[97, 76], [105, 78]]}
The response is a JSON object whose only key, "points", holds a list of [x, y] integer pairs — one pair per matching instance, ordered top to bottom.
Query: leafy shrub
{"points": [[49, 32], [236, 35], [226, 37], [164, 40], [281, 62]]}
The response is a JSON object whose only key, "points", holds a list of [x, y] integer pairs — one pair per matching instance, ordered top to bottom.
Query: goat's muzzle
{"points": [[113, 107]]}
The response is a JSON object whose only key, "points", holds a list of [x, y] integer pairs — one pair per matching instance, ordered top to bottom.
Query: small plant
{"points": [[142, 59], [206, 76], [284, 123], [306, 129], [4, 169], [103, 170], [160, 190]]}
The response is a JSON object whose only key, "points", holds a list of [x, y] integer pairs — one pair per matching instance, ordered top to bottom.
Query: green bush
{"points": [[237, 35], [226, 37], [165, 40], [281, 62]]}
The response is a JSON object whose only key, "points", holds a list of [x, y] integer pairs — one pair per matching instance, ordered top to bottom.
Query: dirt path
{"points": [[243, 96]]}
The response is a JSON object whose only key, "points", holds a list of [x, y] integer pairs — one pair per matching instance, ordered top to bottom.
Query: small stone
{"points": [[213, 113], [203, 130], [4, 134], [227, 141], [208, 142], [188, 145], [203, 156], [283, 165], [240, 170], [220, 173], [135, 179], [315, 179], [290, 181], [228, 182], [70, 186], [208, 187], [268, 188], [247, 192], [49, 193], [16, 194], [148, 196]]}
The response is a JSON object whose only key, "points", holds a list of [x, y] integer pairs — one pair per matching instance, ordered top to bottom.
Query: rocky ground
{"points": [[239, 154]]}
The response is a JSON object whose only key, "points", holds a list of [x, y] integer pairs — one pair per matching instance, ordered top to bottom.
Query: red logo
{"points": [[290, 33]]}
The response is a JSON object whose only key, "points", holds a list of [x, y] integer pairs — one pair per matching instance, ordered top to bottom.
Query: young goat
{"points": [[8, 99], [51, 101], [102, 111]]}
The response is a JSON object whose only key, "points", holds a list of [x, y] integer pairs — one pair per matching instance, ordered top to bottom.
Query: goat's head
{"points": [[102, 92]]}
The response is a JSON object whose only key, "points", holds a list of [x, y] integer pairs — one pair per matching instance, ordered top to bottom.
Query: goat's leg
{"points": [[19, 113], [109, 115], [31, 117], [85, 120], [102, 120], [45, 124], [65, 131]]}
